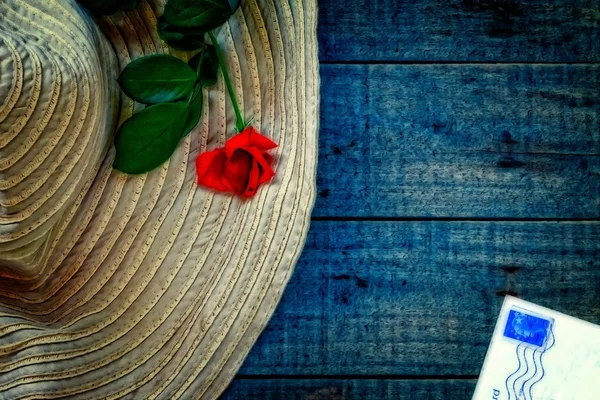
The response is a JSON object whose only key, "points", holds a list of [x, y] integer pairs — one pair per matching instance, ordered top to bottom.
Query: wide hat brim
{"points": [[153, 287]]}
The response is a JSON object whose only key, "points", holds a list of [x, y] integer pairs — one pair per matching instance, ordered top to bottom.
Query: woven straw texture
{"points": [[143, 287]]}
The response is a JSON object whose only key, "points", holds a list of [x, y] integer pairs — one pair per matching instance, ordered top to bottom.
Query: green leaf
{"points": [[129, 5], [234, 5], [203, 14], [180, 38], [206, 65], [157, 79], [194, 111], [149, 138]]}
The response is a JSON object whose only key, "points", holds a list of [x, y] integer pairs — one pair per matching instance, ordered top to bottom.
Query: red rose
{"points": [[240, 167]]}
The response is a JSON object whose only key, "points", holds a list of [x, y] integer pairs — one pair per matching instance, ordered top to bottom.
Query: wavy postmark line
{"points": [[530, 361], [521, 370], [536, 379], [519, 384]]}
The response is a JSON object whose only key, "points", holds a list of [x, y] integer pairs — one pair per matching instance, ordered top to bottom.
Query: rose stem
{"points": [[240, 124]]}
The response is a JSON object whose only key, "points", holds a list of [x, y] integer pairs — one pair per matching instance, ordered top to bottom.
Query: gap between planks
{"points": [[466, 63], [449, 219], [359, 377]]}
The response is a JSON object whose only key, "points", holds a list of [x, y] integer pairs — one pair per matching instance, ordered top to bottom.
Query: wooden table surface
{"points": [[459, 162]]}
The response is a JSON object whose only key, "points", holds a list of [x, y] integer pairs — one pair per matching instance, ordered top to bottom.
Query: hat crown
{"points": [[58, 104]]}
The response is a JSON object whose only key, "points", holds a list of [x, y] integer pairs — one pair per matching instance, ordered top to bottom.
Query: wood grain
{"points": [[459, 30], [489, 141], [421, 298], [348, 389]]}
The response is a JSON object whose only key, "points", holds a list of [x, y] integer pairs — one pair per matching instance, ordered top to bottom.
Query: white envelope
{"points": [[540, 354]]}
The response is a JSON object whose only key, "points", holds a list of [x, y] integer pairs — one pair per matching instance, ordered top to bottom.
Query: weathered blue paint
{"points": [[459, 30], [489, 141], [421, 298], [349, 389]]}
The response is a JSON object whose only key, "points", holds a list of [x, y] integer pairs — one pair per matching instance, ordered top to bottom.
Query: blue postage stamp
{"points": [[527, 328], [535, 336]]}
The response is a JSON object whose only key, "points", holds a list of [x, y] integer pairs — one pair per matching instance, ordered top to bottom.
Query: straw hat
{"points": [[142, 287]]}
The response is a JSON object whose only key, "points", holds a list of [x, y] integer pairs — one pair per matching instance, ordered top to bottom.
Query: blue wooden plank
{"points": [[459, 30], [489, 141], [421, 298], [348, 389]]}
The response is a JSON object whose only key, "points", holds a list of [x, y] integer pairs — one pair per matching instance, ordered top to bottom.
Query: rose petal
{"points": [[249, 138], [268, 158], [241, 167], [209, 168], [237, 170], [266, 172], [252, 185]]}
